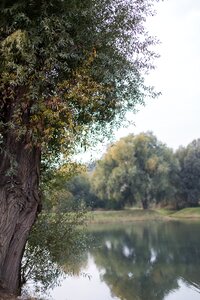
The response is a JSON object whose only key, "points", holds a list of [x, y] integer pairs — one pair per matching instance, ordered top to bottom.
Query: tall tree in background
{"points": [[66, 66], [154, 163], [137, 169], [112, 179], [188, 183]]}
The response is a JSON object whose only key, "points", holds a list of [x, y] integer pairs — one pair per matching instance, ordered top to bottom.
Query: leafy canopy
{"points": [[69, 67], [136, 169], [188, 181]]}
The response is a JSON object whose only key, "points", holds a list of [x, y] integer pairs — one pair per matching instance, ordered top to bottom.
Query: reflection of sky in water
{"points": [[108, 245], [127, 251], [153, 256], [147, 262], [89, 287], [183, 293]]}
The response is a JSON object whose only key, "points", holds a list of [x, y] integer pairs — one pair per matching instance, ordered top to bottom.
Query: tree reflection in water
{"points": [[56, 248], [141, 261], [146, 261]]}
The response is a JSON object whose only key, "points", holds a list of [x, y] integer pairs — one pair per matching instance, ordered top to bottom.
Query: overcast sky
{"points": [[174, 117]]}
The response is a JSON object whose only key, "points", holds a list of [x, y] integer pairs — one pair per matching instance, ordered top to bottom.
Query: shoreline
{"points": [[136, 215]]}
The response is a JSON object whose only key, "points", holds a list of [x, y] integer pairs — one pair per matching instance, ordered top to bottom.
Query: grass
{"points": [[165, 212], [191, 212], [136, 214], [123, 216]]}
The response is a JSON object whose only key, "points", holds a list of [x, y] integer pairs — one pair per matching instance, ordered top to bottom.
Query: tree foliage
{"points": [[67, 65], [68, 69], [135, 169], [188, 183], [66, 191], [55, 246]]}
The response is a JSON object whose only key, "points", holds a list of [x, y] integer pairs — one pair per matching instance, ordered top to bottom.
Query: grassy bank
{"points": [[188, 213], [132, 215], [123, 216]]}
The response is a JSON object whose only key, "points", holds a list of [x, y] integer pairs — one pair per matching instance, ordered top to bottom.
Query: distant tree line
{"points": [[138, 170]]}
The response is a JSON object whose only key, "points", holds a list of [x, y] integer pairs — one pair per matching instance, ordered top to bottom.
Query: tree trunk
{"points": [[145, 201], [19, 204]]}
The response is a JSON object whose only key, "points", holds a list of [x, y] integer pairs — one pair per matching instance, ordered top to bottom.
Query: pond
{"points": [[139, 261]]}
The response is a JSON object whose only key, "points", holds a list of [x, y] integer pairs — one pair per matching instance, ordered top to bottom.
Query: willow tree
{"points": [[68, 67], [136, 169], [188, 182]]}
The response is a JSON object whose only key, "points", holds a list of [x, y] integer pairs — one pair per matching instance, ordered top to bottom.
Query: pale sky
{"points": [[174, 117]]}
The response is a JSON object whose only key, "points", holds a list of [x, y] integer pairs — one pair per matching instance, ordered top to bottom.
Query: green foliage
{"points": [[69, 68], [137, 169], [188, 183], [79, 187], [68, 189], [56, 195], [55, 241]]}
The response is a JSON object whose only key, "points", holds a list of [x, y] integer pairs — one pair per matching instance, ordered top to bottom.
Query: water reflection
{"points": [[57, 246], [142, 261], [147, 261]]}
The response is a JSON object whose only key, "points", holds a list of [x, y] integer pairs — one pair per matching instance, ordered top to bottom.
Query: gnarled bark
{"points": [[19, 204]]}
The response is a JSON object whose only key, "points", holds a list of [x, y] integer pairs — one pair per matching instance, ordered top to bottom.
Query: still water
{"points": [[141, 261]]}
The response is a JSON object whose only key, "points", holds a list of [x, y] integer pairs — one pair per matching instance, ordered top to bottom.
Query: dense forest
{"points": [[138, 170]]}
